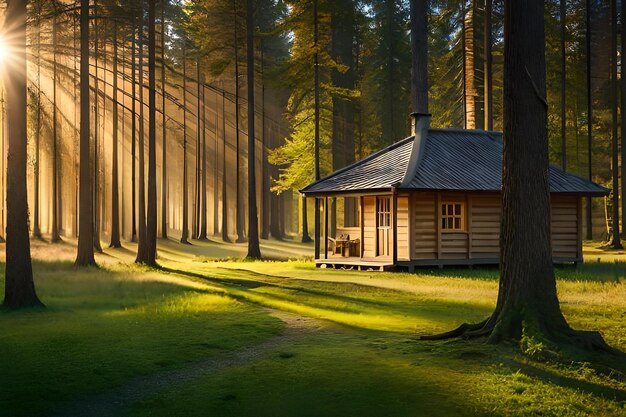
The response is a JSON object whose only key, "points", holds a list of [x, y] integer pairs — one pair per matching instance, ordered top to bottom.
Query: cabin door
{"points": [[383, 226]]}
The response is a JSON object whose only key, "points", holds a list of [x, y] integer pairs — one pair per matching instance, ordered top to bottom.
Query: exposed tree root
{"points": [[464, 331], [554, 337], [591, 341]]}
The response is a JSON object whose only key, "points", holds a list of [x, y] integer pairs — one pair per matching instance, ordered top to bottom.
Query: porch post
{"points": [[362, 226], [326, 227], [394, 228], [316, 238]]}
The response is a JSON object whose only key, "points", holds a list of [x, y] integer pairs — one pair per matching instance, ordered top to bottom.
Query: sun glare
{"points": [[3, 50]]}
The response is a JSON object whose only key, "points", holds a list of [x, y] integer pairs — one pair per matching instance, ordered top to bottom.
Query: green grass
{"points": [[104, 327]]}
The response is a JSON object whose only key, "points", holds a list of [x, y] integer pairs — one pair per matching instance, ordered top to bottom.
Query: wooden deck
{"points": [[355, 263]]}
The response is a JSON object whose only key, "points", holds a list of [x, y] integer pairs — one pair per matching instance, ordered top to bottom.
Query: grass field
{"points": [[346, 347]]}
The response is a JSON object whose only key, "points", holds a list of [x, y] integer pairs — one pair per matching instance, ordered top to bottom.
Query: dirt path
{"points": [[117, 402]]}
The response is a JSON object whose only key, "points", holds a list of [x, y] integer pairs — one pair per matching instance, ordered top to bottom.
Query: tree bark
{"points": [[563, 11], [342, 46], [488, 67], [469, 68], [316, 94], [589, 113], [623, 113], [133, 147], [96, 174], [216, 174], [164, 178], [265, 181], [141, 189], [203, 197], [196, 206], [115, 209], [305, 222], [36, 229], [185, 232], [54, 233], [241, 236], [225, 237], [615, 238], [254, 250], [147, 251], [85, 255], [19, 290]]}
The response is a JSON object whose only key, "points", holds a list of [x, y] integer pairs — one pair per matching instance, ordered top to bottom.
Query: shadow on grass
{"points": [[589, 271], [403, 313], [603, 391]]}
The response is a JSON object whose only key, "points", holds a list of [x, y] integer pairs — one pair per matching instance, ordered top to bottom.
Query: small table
{"points": [[343, 245]]}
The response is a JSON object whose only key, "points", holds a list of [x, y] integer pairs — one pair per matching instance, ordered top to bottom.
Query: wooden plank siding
{"points": [[402, 219], [485, 225], [369, 226], [565, 227], [425, 230], [480, 239]]}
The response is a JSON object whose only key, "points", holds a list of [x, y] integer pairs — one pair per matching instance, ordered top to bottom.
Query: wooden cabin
{"points": [[434, 199]]}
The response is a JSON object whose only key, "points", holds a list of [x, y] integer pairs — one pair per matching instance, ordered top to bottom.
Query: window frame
{"points": [[383, 214], [445, 217]]}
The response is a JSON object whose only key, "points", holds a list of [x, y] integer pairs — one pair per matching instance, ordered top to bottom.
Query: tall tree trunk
{"points": [[342, 48], [419, 53], [464, 65], [488, 65], [469, 71], [563, 84], [316, 94], [589, 113], [623, 113], [76, 129], [37, 135], [133, 146], [96, 154], [3, 167], [216, 176], [164, 178], [265, 181], [141, 189], [203, 202], [275, 203], [196, 204], [115, 209], [305, 222], [185, 232], [54, 233], [241, 236], [225, 237], [615, 240], [254, 250], [146, 253], [85, 255], [19, 289], [527, 305]]}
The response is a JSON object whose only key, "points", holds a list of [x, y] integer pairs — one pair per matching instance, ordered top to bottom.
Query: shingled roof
{"points": [[445, 160]]}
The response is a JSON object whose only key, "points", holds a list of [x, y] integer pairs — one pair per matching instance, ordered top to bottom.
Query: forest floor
{"points": [[213, 335]]}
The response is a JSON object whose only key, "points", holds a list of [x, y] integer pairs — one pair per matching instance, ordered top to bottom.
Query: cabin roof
{"points": [[447, 160]]}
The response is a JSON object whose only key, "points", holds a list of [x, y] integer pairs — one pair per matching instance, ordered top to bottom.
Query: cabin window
{"points": [[384, 212], [452, 216]]}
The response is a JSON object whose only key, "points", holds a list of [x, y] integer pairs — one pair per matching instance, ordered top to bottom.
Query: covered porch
{"points": [[357, 232]]}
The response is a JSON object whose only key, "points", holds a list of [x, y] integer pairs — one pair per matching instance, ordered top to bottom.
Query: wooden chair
{"points": [[332, 245]]}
